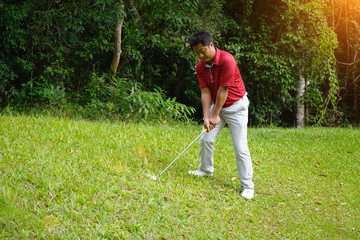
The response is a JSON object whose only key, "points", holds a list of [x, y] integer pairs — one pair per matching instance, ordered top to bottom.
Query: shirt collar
{"points": [[216, 59], [209, 66]]}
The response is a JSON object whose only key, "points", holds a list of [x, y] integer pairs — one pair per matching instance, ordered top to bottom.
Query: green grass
{"points": [[75, 179]]}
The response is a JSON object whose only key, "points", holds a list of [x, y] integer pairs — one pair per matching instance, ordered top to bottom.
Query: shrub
{"points": [[129, 101]]}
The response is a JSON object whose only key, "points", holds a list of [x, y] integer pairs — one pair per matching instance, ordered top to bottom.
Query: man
{"points": [[222, 94]]}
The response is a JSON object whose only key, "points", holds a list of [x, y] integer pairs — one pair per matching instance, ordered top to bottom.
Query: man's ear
{"points": [[211, 45]]}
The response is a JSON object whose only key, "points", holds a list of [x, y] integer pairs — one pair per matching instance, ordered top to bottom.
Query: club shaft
{"points": [[182, 152]]}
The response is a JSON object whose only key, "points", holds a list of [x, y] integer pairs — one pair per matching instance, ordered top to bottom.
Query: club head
{"points": [[152, 177]]}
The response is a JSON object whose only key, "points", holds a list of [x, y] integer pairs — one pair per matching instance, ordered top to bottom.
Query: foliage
{"points": [[344, 19], [75, 38], [49, 39], [13, 44], [277, 48], [50, 51], [157, 52], [313, 57], [6, 76], [269, 76], [269, 81], [50, 95], [128, 100], [67, 179]]}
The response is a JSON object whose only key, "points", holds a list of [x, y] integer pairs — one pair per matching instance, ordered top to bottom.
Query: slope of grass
{"points": [[70, 179]]}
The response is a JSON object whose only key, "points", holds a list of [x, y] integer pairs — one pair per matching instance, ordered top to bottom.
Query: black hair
{"points": [[200, 37]]}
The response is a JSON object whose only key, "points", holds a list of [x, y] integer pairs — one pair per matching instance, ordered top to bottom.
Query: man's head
{"points": [[200, 37], [202, 44]]}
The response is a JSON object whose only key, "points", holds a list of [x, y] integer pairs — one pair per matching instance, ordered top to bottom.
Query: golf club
{"points": [[154, 177]]}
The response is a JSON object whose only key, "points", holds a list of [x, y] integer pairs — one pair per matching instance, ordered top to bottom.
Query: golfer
{"points": [[222, 94]]}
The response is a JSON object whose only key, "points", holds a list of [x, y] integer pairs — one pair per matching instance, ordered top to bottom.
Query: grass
{"points": [[75, 179]]}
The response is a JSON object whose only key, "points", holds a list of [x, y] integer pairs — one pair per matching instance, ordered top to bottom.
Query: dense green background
{"points": [[58, 53]]}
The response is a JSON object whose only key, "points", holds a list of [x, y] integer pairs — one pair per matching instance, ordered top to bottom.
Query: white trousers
{"points": [[236, 116]]}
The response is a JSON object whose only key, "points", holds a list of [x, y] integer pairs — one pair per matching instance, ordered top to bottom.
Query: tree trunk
{"points": [[134, 10], [135, 13], [117, 47], [356, 106], [300, 108]]}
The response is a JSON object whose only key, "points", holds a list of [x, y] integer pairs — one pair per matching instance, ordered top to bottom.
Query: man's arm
{"points": [[221, 97], [206, 103]]}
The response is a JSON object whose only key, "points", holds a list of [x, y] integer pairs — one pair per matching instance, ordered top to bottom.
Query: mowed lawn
{"points": [[77, 179]]}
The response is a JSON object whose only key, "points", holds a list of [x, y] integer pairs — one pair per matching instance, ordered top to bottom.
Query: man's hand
{"points": [[220, 100], [214, 120], [211, 121], [210, 124], [207, 125]]}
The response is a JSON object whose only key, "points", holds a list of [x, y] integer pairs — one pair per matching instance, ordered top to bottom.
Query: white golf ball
{"points": [[153, 178]]}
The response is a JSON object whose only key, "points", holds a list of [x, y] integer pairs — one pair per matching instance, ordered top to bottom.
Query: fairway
{"points": [[77, 179]]}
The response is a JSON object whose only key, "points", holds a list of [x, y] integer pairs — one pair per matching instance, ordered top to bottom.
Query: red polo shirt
{"points": [[224, 72]]}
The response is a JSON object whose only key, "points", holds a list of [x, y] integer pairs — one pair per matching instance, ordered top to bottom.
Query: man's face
{"points": [[205, 53]]}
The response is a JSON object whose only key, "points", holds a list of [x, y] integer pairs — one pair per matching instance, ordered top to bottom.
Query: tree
{"points": [[344, 18], [117, 41], [311, 43], [268, 74]]}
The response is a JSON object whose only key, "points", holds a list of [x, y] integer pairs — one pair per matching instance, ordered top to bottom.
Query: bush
{"points": [[6, 76], [129, 101]]}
